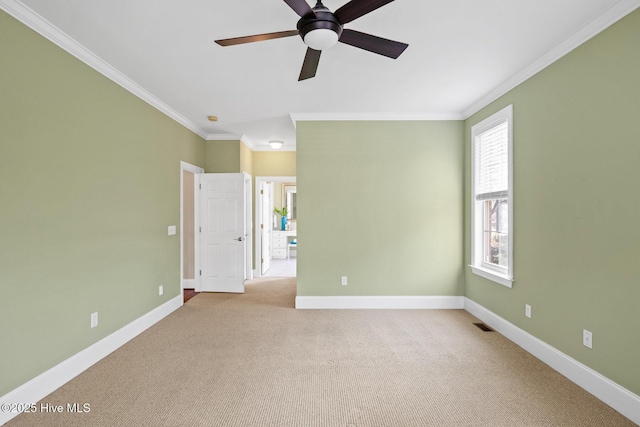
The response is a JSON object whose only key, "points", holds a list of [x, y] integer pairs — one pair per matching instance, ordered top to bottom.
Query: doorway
{"points": [[188, 220], [190, 226], [224, 231], [275, 249]]}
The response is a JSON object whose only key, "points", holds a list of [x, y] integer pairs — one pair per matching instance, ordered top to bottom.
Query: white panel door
{"points": [[222, 218], [266, 224]]}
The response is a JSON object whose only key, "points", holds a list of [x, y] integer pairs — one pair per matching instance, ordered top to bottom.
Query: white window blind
{"points": [[492, 163]]}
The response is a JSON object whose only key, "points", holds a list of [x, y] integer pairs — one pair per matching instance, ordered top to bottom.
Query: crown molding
{"points": [[28, 17], [43, 27], [593, 28], [320, 117], [224, 137], [246, 141], [269, 149]]}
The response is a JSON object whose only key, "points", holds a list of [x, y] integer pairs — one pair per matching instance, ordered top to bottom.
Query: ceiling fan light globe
{"points": [[321, 38]]}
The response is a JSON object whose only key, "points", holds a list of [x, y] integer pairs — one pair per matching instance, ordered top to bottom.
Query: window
{"points": [[492, 197]]}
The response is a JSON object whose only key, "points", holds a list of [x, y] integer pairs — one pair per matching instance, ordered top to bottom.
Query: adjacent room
{"points": [[432, 223]]}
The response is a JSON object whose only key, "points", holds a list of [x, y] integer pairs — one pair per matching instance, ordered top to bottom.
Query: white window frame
{"points": [[478, 266]]}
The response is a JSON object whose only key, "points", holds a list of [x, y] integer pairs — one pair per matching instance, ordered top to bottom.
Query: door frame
{"points": [[196, 170], [248, 191], [268, 219], [257, 272]]}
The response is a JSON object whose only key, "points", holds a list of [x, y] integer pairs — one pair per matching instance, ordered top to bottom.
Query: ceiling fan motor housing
{"points": [[323, 20]]}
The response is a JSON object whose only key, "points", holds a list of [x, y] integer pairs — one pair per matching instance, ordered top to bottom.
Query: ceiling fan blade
{"points": [[301, 7], [357, 8], [256, 38], [389, 48], [310, 64]]}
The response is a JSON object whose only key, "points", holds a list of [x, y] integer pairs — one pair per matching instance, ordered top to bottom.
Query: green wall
{"points": [[222, 156], [89, 182], [576, 202], [380, 203]]}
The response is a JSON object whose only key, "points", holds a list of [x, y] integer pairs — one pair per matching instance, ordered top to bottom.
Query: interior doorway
{"points": [[188, 220], [275, 248]]}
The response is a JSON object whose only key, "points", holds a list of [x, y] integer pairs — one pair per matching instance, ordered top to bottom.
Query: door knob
{"points": [[239, 239]]}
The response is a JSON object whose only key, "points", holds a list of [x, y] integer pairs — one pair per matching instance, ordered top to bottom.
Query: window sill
{"points": [[493, 276]]}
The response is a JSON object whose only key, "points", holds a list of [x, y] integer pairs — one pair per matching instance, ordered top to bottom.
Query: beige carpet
{"points": [[253, 360]]}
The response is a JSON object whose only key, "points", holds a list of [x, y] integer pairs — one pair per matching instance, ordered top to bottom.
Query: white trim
{"points": [[37, 23], [43, 27], [590, 30], [502, 116], [319, 117], [224, 137], [248, 143], [191, 168], [248, 195], [492, 275], [190, 283], [380, 302], [47, 382], [611, 393]]}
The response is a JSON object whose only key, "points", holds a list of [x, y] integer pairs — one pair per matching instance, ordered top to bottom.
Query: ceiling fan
{"points": [[321, 29]]}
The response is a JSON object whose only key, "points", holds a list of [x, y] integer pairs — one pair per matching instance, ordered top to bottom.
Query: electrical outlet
{"points": [[344, 280], [160, 290], [527, 310], [94, 319], [587, 338]]}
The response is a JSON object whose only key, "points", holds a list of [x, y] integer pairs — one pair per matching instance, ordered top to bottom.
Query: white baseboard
{"points": [[379, 302], [47, 382], [614, 395]]}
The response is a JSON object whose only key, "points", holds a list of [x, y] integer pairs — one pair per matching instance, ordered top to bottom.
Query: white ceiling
{"points": [[462, 53]]}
